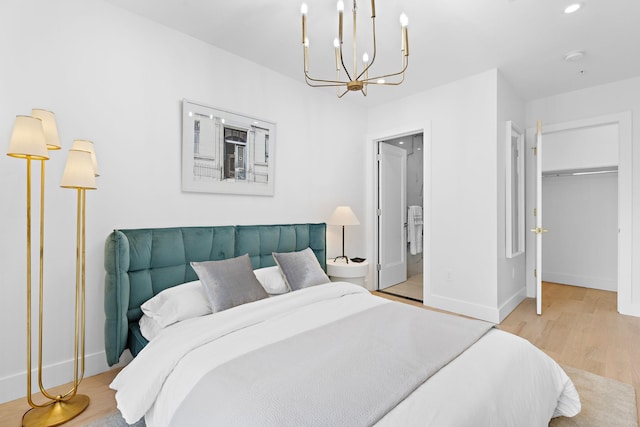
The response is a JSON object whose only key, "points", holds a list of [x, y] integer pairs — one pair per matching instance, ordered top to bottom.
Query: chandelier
{"points": [[356, 80]]}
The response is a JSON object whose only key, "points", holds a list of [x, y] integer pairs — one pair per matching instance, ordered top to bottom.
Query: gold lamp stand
{"points": [[31, 139]]}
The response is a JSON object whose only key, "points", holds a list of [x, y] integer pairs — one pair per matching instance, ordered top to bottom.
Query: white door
{"points": [[392, 215], [539, 229]]}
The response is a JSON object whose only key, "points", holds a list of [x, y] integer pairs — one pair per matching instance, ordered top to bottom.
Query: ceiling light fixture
{"points": [[572, 8], [574, 55], [356, 80]]}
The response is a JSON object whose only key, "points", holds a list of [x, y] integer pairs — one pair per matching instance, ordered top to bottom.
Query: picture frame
{"points": [[226, 152]]}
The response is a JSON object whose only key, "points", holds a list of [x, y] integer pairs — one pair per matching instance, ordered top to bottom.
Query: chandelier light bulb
{"points": [[340, 6], [303, 9], [404, 21], [306, 42], [336, 43], [365, 57]]}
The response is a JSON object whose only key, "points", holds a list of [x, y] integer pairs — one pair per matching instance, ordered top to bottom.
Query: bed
{"points": [[325, 353]]}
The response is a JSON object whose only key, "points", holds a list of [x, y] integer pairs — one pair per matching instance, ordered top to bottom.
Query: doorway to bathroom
{"points": [[400, 166]]}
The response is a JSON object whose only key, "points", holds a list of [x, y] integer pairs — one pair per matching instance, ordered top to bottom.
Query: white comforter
{"points": [[501, 380]]}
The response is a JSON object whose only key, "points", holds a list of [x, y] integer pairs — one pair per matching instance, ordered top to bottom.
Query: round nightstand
{"points": [[354, 272]]}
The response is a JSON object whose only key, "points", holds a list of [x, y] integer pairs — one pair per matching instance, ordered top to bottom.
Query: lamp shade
{"points": [[49, 127], [27, 139], [84, 145], [78, 171], [343, 215]]}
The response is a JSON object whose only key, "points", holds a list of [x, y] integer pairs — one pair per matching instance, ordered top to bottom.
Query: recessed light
{"points": [[572, 8], [574, 56], [401, 142]]}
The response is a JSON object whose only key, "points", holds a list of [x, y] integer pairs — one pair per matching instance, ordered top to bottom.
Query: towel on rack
{"points": [[414, 229]]}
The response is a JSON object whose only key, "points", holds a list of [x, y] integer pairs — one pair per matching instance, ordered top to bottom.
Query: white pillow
{"points": [[271, 280], [177, 303], [149, 327]]}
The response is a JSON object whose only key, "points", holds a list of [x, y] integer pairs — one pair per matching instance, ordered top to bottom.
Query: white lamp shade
{"points": [[49, 127], [27, 139], [84, 145], [78, 171], [343, 215]]}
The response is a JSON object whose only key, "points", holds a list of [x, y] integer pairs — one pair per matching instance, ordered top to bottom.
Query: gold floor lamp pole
{"points": [[31, 138], [79, 174]]}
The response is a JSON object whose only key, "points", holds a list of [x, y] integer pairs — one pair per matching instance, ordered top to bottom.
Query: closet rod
{"points": [[558, 174]]}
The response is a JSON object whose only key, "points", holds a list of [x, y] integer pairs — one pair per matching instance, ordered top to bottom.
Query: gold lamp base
{"points": [[57, 413]]}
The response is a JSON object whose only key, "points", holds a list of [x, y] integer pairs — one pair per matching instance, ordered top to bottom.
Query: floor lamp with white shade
{"points": [[31, 138]]}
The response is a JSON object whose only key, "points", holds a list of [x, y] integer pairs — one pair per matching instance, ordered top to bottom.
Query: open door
{"points": [[538, 214], [392, 215]]}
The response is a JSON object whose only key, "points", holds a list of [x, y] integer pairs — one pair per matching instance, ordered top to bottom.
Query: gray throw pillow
{"points": [[300, 269], [229, 283]]}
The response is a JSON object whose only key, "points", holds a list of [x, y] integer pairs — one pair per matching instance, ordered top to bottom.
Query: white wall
{"points": [[118, 80], [610, 99], [581, 149], [460, 188], [582, 214], [511, 271]]}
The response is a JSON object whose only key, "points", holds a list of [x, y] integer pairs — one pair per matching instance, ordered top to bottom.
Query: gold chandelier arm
{"points": [[355, 40], [375, 48], [344, 67], [375, 80], [320, 82], [323, 83], [343, 93]]}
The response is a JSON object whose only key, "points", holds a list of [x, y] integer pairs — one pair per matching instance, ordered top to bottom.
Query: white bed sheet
{"points": [[489, 384]]}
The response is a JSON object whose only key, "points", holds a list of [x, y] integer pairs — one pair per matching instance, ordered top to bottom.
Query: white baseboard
{"points": [[604, 284], [510, 305], [629, 309], [477, 311], [15, 386]]}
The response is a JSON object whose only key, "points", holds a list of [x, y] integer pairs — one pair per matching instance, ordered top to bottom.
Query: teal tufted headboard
{"points": [[140, 263]]}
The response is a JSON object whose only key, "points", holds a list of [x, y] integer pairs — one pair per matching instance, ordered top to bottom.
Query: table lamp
{"points": [[343, 215]]}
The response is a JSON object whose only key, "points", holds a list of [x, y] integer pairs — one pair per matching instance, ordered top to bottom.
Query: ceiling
{"points": [[448, 39]]}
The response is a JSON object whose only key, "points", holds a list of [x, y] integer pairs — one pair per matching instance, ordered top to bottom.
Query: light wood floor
{"points": [[412, 288], [579, 327]]}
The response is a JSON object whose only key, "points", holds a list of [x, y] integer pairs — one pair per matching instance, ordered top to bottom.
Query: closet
{"points": [[580, 207]]}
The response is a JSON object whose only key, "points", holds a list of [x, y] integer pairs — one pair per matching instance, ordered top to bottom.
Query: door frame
{"points": [[624, 121], [372, 201]]}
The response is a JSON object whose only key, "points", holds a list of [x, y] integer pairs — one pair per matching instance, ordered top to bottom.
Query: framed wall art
{"points": [[225, 152]]}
